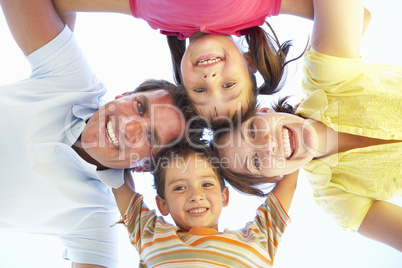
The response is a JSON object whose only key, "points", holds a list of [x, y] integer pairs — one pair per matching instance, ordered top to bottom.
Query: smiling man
{"points": [[61, 143]]}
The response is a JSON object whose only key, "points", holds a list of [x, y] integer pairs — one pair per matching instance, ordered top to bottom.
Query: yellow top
{"points": [[354, 97]]}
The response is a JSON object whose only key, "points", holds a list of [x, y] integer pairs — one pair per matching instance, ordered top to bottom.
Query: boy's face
{"points": [[193, 194]]}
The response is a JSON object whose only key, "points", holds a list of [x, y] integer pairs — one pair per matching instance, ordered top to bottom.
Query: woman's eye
{"points": [[229, 85], [200, 90], [251, 130], [256, 162]]}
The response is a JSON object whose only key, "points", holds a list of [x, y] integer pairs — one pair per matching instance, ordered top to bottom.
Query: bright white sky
{"points": [[123, 52]]}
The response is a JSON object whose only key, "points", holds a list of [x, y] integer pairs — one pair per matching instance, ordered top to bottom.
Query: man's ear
{"points": [[251, 67], [121, 95], [265, 110], [225, 197], [162, 205]]}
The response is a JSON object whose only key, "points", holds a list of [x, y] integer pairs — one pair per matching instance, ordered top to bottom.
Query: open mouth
{"points": [[209, 61], [111, 136], [289, 143], [197, 210]]}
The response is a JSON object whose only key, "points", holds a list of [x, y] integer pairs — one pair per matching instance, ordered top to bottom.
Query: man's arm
{"points": [[32, 23], [285, 189], [124, 193]]}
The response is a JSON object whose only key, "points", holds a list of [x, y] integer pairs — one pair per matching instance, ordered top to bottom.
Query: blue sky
{"points": [[124, 51]]}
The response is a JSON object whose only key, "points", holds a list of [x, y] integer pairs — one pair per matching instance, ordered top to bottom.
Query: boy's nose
{"points": [[196, 196]]}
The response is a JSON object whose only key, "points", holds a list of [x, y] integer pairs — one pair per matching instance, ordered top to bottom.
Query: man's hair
{"points": [[196, 124], [182, 150]]}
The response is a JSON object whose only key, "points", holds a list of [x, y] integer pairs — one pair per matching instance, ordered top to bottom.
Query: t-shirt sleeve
{"points": [[63, 65], [347, 209], [138, 219], [272, 220]]}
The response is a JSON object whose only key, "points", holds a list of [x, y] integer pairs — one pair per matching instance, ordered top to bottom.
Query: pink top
{"points": [[183, 18]]}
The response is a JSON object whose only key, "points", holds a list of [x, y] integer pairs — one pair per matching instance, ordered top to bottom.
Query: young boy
{"points": [[190, 188]]}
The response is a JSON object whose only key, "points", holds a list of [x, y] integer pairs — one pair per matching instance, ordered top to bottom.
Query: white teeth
{"points": [[209, 61], [110, 134], [286, 143], [197, 210]]}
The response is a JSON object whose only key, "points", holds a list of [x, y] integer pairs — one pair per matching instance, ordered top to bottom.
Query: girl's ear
{"points": [[250, 64], [265, 110], [162, 205]]}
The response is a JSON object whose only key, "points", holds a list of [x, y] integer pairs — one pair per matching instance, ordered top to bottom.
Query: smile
{"points": [[209, 61], [111, 136], [289, 143], [197, 210]]}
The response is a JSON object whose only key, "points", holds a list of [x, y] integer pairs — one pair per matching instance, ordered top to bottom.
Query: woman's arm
{"points": [[67, 7], [338, 27], [285, 189], [124, 193], [383, 223]]}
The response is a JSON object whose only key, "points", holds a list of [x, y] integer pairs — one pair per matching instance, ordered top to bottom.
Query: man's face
{"points": [[128, 131]]}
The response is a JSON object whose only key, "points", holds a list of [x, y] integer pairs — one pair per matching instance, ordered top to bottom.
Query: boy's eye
{"points": [[229, 85], [200, 90], [256, 162], [207, 184], [178, 188]]}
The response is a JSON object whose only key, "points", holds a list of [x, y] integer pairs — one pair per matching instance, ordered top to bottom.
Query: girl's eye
{"points": [[229, 85], [200, 90], [140, 108], [251, 131], [256, 162]]}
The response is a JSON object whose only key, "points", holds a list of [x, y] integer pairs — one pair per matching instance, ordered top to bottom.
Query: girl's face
{"points": [[216, 76], [269, 144]]}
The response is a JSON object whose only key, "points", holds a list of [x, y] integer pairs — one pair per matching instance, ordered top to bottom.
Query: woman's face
{"points": [[216, 76], [269, 144]]}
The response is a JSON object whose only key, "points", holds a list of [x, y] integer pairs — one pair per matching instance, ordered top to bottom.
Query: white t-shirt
{"points": [[46, 187]]}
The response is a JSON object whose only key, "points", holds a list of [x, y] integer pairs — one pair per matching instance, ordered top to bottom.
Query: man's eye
{"points": [[229, 85], [200, 90], [140, 108], [150, 138], [256, 162]]}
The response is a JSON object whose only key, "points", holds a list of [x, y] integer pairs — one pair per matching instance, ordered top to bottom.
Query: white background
{"points": [[123, 52]]}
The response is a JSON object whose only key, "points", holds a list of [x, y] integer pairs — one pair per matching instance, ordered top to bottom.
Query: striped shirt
{"points": [[161, 244]]}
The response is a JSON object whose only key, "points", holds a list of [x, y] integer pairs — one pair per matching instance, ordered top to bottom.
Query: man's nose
{"points": [[132, 129]]}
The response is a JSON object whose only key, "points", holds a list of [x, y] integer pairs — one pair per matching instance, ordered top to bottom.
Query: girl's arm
{"points": [[285, 189], [124, 193], [383, 223]]}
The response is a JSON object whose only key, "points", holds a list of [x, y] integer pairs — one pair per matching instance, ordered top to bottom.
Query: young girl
{"points": [[218, 76], [347, 135], [192, 190]]}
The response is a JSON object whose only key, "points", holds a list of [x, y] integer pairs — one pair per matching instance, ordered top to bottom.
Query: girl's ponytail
{"points": [[177, 48], [268, 56]]}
